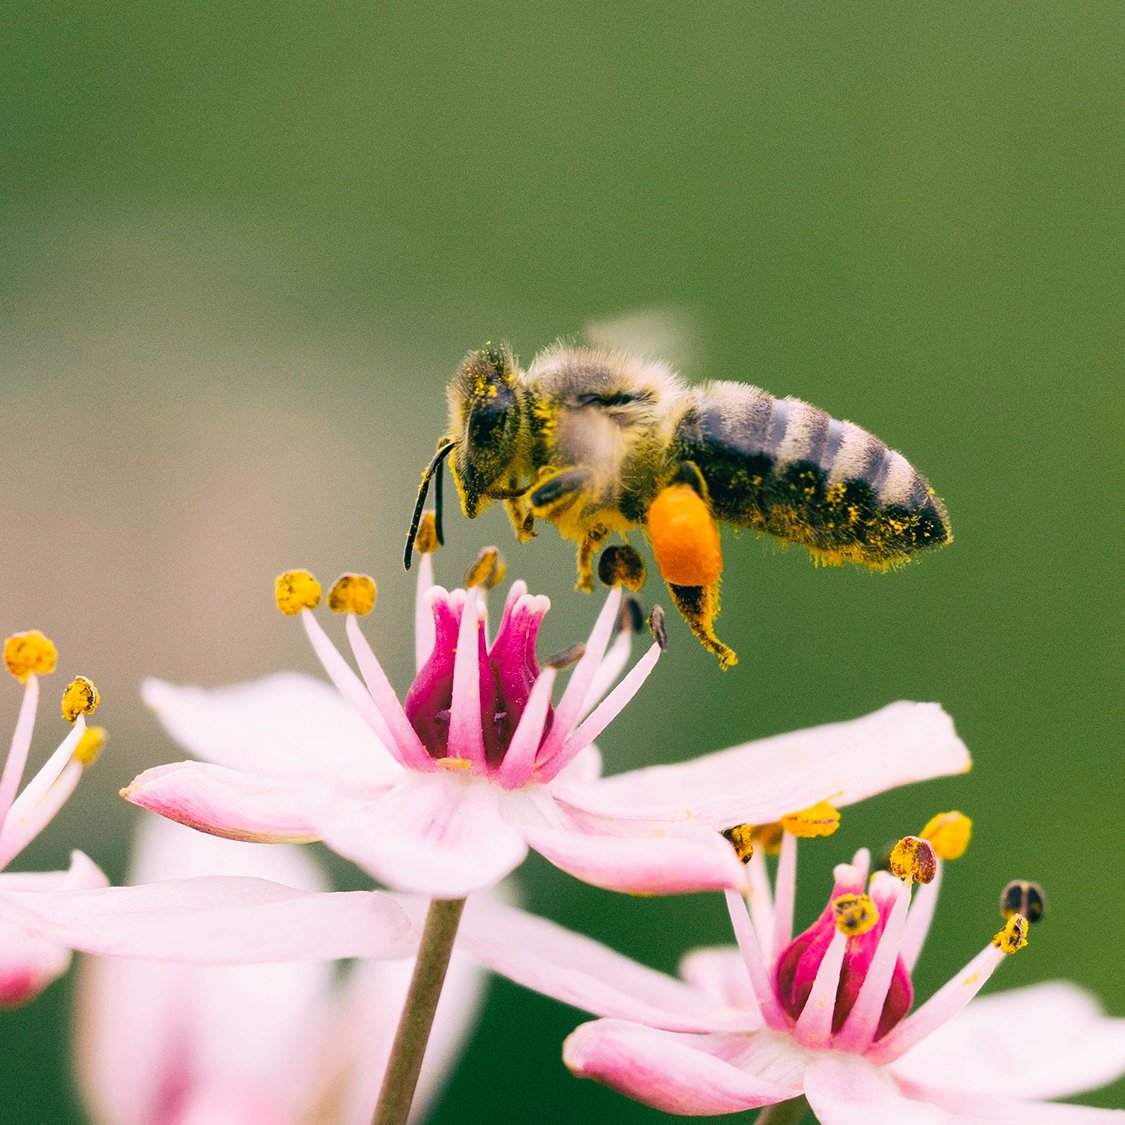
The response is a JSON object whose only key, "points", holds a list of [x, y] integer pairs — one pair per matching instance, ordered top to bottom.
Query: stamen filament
{"points": [[424, 631], [608, 671], [349, 685], [574, 697], [603, 714], [466, 737], [404, 740], [20, 746], [519, 760], [784, 892], [760, 901], [919, 919], [751, 951], [940, 1008], [814, 1024], [859, 1028]]}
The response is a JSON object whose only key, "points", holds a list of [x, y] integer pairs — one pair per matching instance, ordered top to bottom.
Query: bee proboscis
{"points": [[598, 441]]}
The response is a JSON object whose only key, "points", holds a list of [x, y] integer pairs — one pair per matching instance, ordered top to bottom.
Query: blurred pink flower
{"points": [[445, 793], [28, 961], [823, 1015], [161, 1043]]}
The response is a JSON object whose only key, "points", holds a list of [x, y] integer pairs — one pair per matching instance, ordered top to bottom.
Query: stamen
{"points": [[426, 540], [621, 565], [487, 570], [296, 590], [353, 593], [630, 621], [656, 627], [30, 654], [567, 658], [80, 698], [466, 736], [20, 745], [90, 746], [519, 759], [820, 819], [949, 832], [741, 837], [768, 837], [913, 859], [784, 894], [1023, 897], [759, 898], [855, 914], [919, 919], [1013, 937], [751, 951], [814, 1024]]}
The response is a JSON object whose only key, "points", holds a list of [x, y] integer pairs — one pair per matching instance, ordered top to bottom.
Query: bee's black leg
{"points": [[561, 487], [586, 550], [699, 606]]}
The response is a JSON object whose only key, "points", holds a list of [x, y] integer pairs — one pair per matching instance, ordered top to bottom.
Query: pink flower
{"points": [[445, 793], [28, 961], [824, 1015], [160, 1043]]}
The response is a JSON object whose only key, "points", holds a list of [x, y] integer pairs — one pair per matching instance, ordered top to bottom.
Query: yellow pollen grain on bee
{"points": [[685, 537], [426, 540], [296, 590], [353, 593], [30, 654], [80, 698], [90, 746], [455, 764], [821, 819], [949, 833], [741, 838], [855, 914], [1013, 937]]}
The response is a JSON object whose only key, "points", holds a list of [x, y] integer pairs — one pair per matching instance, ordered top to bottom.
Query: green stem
{"points": [[442, 919], [783, 1113]]}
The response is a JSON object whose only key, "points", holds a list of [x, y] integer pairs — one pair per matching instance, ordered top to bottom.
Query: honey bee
{"points": [[598, 441]]}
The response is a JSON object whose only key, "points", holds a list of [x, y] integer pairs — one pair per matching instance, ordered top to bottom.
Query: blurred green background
{"points": [[244, 246]]}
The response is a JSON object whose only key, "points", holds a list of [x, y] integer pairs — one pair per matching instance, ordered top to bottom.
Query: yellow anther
{"points": [[425, 539], [487, 570], [296, 590], [352, 593], [30, 654], [80, 698], [89, 746], [455, 763], [820, 819], [949, 832], [741, 837], [768, 837], [913, 858], [855, 914], [1013, 937]]}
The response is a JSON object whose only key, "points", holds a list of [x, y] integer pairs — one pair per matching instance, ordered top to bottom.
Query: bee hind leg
{"points": [[587, 548], [699, 606]]}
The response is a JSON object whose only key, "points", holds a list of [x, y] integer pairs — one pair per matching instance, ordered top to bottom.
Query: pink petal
{"points": [[287, 725], [759, 782], [226, 802], [440, 834], [658, 862], [215, 920], [28, 962], [579, 971], [720, 972], [1065, 1045], [686, 1074], [846, 1090]]}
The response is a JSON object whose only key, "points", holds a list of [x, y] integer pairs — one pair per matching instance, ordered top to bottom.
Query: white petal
{"points": [[287, 725], [759, 782], [1046, 1041], [846, 1090]]}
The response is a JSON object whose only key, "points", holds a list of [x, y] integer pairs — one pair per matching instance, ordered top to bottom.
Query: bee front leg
{"points": [[558, 490], [521, 518], [587, 548]]}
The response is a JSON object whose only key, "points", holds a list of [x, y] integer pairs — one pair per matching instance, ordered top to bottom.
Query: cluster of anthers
{"points": [[845, 982]]}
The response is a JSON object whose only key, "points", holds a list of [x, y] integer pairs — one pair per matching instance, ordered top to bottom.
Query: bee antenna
{"points": [[433, 467]]}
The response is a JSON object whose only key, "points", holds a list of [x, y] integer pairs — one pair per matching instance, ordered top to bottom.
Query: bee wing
{"points": [[668, 332]]}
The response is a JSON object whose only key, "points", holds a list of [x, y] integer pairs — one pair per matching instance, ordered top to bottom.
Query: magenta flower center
{"points": [[507, 672], [799, 961]]}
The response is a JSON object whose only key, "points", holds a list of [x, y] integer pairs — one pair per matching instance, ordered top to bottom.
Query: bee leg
{"points": [[558, 489], [521, 519], [587, 548], [699, 606]]}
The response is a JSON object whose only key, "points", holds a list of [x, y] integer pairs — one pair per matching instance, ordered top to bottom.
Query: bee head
{"points": [[485, 411]]}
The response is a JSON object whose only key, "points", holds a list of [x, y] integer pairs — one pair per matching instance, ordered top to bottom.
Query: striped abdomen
{"points": [[782, 466]]}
